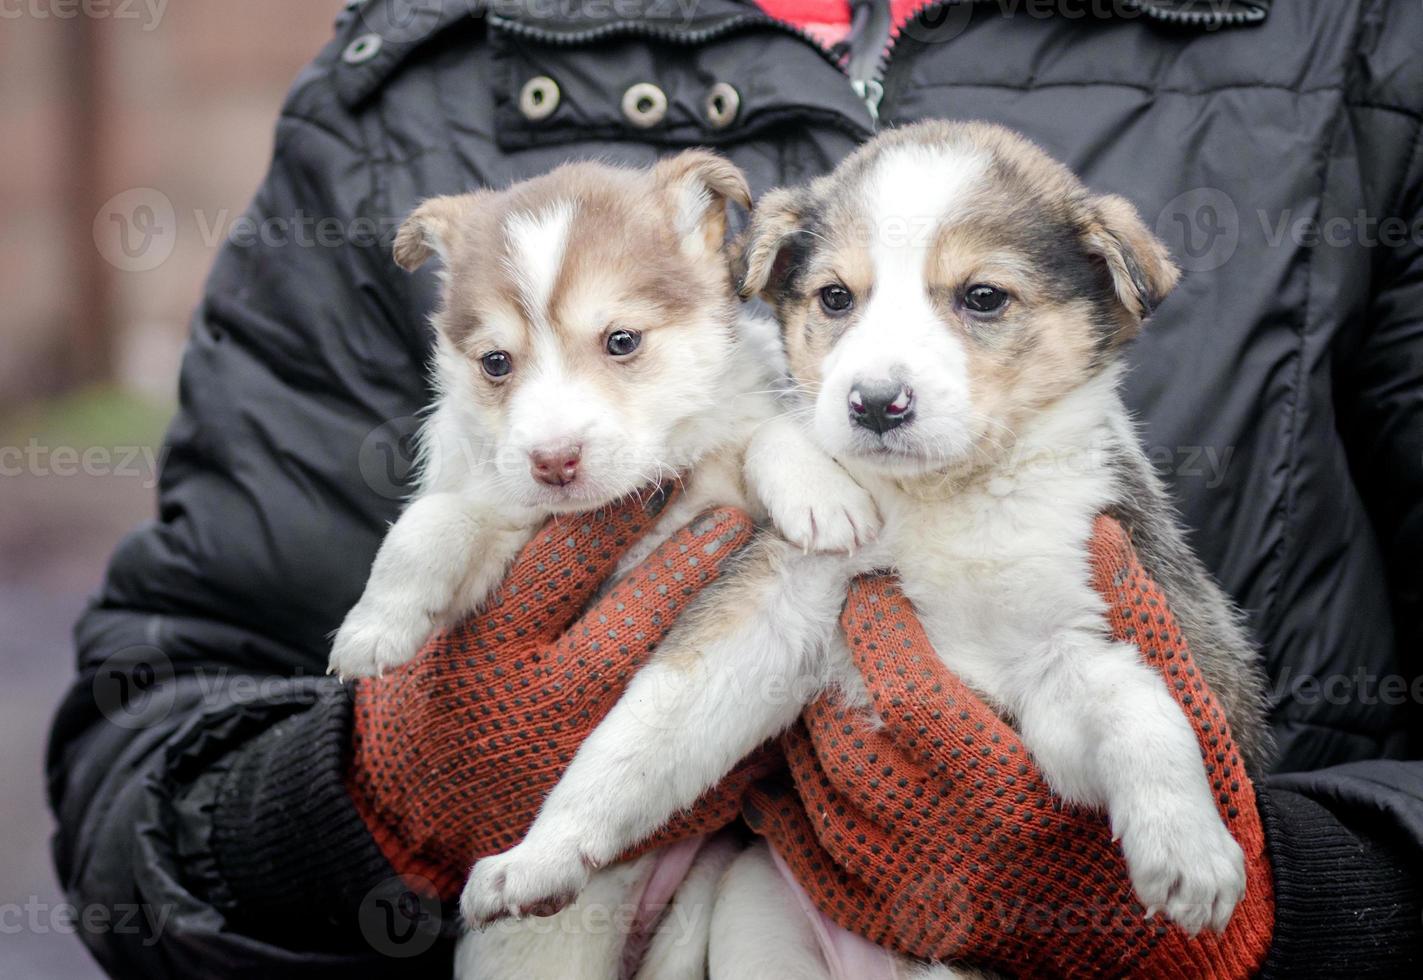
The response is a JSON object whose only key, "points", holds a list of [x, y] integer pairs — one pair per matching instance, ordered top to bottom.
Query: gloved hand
{"points": [[454, 753], [936, 835]]}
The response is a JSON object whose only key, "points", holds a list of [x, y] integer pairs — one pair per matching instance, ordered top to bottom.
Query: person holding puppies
{"points": [[285, 829]]}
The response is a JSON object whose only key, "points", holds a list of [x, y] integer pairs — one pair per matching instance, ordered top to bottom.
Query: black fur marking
{"points": [[1212, 625]]}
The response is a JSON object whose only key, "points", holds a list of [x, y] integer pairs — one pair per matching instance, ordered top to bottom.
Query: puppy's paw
{"points": [[823, 511], [368, 643], [1188, 867], [524, 880]]}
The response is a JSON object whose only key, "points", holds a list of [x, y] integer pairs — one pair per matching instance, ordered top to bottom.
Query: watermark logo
{"points": [[149, 11], [403, 23], [938, 25], [1202, 228], [136, 231], [388, 456], [39, 459], [135, 688], [401, 917], [40, 918]]}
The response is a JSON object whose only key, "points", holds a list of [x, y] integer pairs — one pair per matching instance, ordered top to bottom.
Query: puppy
{"points": [[953, 304], [589, 344]]}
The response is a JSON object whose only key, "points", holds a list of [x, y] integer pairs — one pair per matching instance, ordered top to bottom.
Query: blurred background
{"points": [[134, 134]]}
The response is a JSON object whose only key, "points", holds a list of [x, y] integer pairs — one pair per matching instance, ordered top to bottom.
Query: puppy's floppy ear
{"points": [[701, 183], [433, 228], [765, 251], [1139, 264]]}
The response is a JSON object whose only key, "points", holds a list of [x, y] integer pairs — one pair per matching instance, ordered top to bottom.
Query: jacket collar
{"points": [[567, 17], [378, 35]]}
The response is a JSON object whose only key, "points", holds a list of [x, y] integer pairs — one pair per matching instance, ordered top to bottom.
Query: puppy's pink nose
{"points": [[556, 467]]}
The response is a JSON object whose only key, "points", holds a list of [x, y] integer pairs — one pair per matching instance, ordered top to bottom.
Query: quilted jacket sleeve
{"points": [[196, 764], [1347, 841]]}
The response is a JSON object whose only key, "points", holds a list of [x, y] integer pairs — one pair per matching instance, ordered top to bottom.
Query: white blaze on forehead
{"points": [[910, 192], [907, 196], [536, 242], [549, 406]]}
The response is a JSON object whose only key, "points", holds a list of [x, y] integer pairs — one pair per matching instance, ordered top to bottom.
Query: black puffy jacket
{"points": [[196, 764]]}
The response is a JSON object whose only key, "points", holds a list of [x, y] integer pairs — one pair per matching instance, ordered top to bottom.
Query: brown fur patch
{"points": [[624, 266]]}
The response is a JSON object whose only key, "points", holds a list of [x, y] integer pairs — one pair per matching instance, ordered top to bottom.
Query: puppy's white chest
{"points": [[992, 585]]}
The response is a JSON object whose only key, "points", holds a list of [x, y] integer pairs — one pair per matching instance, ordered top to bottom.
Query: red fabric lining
{"points": [[828, 21]]}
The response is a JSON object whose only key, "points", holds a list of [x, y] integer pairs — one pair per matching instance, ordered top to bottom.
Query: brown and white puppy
{"points": [[953, 303], [589, 345]]}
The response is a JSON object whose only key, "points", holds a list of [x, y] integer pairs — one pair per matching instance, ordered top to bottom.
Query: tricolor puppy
{"points": [[953, 304], [589, 344]]}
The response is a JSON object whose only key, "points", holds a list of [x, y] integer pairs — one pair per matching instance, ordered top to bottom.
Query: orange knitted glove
{"points": [[454, 753], [936, 835]]}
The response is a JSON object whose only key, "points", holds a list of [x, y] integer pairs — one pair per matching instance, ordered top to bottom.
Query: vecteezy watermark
{"points": [[149, 11], [593, 12], [415, 20], [944, 21], [405, 23], [941, 23], [1201, 227], [1204, 228], [139, 229], [300, 229], [1340, 230], [136, 231], [391, 454], [387, 457], [38, 459], [137, 687], [1359, 687], [663, 696], [37, 917], [401, 917], [589, 917]]}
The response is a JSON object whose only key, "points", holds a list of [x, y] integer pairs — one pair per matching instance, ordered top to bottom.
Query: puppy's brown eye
{"points": [[982, 298], [836, 300], [621, 343], [496, 364]]}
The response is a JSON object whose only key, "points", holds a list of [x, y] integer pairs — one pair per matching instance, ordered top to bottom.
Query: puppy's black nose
{"points": [[881, 405]]}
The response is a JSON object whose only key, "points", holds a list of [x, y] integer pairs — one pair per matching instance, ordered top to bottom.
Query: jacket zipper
{"points": [[1248, 13], [634, 28], [871, 90]]}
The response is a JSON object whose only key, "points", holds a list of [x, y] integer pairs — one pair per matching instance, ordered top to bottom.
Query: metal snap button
{"points": [[362, 49], [538, 98], [723, 103], [644, 105]]}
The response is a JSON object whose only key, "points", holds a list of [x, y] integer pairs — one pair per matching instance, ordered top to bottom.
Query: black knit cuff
{"points": [[285, 834], [1345, 905]]}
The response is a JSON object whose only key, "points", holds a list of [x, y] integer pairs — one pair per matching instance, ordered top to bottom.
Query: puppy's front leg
{"points": [[811, 499], [440, 559], [735, 672], [1104, 730]]}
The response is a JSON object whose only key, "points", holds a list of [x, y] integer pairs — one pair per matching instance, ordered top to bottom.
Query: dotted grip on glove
{"points": [[453, 754], [935, 835]]}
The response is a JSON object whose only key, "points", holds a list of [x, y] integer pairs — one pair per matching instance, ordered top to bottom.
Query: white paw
{"points": [[834, 514], [370, 643], [1183, 862], [524, 881]]}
